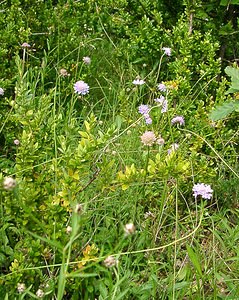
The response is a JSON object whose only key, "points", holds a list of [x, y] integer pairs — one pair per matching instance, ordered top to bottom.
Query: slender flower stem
{"points": [[146, 171]]}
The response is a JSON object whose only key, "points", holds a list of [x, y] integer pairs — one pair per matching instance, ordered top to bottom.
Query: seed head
{"points": [[148, 138], [110, 261]]}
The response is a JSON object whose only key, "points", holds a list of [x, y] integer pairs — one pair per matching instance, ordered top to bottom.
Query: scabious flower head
{"points": [[26, 45], [167, 51], [86, 60], [64, 73], [138, 81], [81, 87], [162, 87], [1, 91], [163, 102], [144, 109], [148, 120], [178, 120], [148, 138], [160, 141], [173, 148], [9, 183], [202, 189], [129, 228], [110, 261], [21, 287]]}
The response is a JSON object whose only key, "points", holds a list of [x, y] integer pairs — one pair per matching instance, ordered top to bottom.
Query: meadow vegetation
{"points": [[119, 149]]}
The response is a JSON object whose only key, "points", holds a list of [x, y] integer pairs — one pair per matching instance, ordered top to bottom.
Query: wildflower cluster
{"points": [[138, 81], [81, 87], [163, 103], [144, 110], [178, 120], [148, 138], [203, 190]]}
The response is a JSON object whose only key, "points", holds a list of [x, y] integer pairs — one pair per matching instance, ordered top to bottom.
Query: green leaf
{"points": [[227, 2], [234, 74], [222, 111], [195, 260], [81, 275]]}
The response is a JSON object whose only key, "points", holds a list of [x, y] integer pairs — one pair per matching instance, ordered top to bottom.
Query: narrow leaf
{"points": [[195, 260]]}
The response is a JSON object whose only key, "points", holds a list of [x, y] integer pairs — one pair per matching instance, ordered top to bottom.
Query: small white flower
{"points": [[26, 45], [167, 51], [86, 60], [138, 81], [1, 91], [160, 141], [16, 142], [9, 183], [129, 228], [68, 229], [21, 287], [40, 293]]}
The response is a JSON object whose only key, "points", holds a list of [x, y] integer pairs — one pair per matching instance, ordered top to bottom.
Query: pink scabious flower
{"points": [[26, 45], [167, 51], [86, 60], [138, 81], [81, 87], [162, 87], [1, 92], [162, 101], [144, 109], [148, 120], [178, 120], [148, 138], [16, 142], [173, 148], [202, 189]]}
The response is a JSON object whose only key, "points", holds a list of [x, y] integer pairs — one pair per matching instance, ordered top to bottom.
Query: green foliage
{"points": [[227, 108], [81, 169]]}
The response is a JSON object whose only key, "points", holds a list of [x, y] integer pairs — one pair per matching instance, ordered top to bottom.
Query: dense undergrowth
{"points": [[116, 183]]}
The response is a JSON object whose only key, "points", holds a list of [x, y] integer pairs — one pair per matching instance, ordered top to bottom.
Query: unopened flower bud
{"points": [[129, 228]]}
